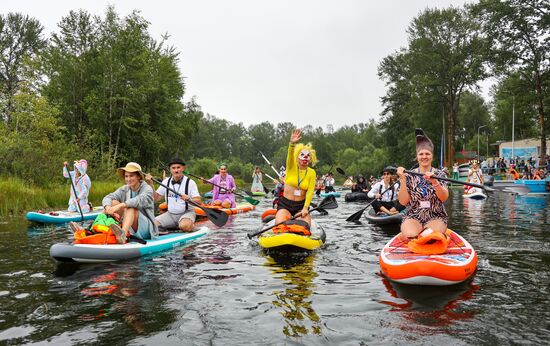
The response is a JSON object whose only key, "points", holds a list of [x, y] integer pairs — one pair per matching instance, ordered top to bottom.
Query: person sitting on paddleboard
{"points": [[474, 176], [299, 181], [81, 183], [361, 185], [279, 189], [385, 194], [423, 196], [223, 197], [134, 204], [179, 214]]}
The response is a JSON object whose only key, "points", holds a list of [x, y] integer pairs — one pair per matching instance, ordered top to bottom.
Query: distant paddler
{"points": [[474, 176], [299, 181], [80, 187], [423, 195], [179, 214]]}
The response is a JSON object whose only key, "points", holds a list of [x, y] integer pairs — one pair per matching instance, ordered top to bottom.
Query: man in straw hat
{"points": [[134, 203], [179, 214]]}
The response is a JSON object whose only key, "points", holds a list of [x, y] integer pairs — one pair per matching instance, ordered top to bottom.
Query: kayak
{"points": [[258, 193], [326, 194], [478, 194], [357, 197], [240, 208], [62, 216], [383, 219], [292, 242], [93, 253], [457, 264]]}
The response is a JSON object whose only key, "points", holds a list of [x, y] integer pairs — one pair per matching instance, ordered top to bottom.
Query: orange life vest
{"points": [[298, 229], [100, 234]]}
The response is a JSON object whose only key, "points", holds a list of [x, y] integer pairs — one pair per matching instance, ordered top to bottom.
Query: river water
{"points": [[223, 290]]}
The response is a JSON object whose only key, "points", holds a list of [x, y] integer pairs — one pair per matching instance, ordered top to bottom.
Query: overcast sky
{"points": [[307, 62]]}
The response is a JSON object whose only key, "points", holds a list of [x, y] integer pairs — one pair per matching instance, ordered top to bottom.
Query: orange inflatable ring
{"points": [[429, 242]]}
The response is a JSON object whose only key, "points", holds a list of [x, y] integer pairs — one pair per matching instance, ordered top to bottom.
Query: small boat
{"points": [[535, 186], [334, 194], [477, 194], [357, 197], [239, 209], [62, 216], [383, 219], [273, 240], [94, 253], [457, 264]]}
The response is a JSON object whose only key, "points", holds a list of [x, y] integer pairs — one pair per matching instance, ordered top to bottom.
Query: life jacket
{"points": [[514, 173], [293, 226], [99, 232], [429, 242]]}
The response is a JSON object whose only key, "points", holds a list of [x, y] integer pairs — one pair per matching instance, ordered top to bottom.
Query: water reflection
{"points": [[297, 273], [430, 305]]}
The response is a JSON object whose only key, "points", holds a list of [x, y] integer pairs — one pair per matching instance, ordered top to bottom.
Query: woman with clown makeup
{"points": [[299, 182]]}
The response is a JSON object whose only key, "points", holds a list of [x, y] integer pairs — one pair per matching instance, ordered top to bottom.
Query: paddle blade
{"points": [[341, 171], [252, 201], [217, 217], [355, 217]]}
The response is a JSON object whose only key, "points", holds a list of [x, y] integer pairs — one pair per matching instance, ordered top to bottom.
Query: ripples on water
{"points": [[224, 290]]}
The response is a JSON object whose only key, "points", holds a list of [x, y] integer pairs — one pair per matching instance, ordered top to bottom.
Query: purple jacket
{"points": [[230, 183]]}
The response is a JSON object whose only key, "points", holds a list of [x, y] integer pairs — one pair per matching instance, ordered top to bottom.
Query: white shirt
{"points": [[329, 181], [387, 196], [176, 205]]}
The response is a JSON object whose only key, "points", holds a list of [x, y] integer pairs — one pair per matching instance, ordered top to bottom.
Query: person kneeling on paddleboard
{"points": [[474, 176], [299, 181], [385, 194], [423, 196], [134, 203], [179, 214]]}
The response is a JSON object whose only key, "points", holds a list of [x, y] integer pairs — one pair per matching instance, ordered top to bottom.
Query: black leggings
{"points": [[377, 204]]}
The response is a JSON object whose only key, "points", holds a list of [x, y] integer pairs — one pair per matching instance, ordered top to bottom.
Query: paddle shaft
{"points": [[270, 165], [452, 180], [75, 194], [190, 201]]}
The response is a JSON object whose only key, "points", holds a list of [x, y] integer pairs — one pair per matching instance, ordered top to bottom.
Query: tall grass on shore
{"points": [[18, 197]]}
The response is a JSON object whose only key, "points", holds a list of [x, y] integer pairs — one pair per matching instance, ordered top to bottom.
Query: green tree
{"points": [[519, 32], [20, 41], [444, 58]]}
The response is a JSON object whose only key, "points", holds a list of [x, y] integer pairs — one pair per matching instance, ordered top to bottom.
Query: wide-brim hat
{"points": [[176, 161], [132, 167]]}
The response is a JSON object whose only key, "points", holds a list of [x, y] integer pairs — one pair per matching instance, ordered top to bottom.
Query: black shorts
{"points": [[293, 207]]}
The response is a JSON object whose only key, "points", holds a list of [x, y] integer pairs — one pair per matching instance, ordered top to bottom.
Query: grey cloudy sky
{"points": [[307, 62]]}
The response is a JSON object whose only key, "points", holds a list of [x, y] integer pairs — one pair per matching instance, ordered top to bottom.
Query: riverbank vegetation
{"points": [[102, 88]]}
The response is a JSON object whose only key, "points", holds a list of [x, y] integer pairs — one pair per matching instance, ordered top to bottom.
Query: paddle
{"points": [[270, 165], [341, 171], [520, 189], [75, 194], [248, 199], [327, 203], [218, 217]]}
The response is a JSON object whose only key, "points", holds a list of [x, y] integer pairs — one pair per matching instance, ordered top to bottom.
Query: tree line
{"points": [[102, 88]]}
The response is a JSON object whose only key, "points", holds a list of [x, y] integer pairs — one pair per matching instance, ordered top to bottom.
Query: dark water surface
{"points": [[223, 290]]}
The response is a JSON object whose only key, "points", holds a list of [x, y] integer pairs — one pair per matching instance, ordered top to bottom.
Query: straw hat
{"points": [[130, 167]]}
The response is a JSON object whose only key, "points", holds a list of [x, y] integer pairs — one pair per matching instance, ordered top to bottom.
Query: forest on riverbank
{"points": [[102, 88]]}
